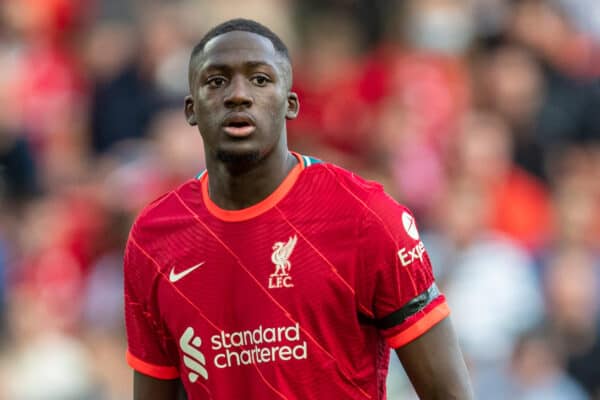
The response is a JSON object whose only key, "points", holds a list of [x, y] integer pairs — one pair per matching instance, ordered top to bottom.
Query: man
{"points": [[273, 275]]}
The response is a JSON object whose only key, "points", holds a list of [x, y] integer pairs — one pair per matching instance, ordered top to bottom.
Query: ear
{"points": [[293, 106], [188, 109]]}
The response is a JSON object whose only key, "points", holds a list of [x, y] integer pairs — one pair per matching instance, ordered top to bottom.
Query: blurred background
{"points": [[483, 116]]}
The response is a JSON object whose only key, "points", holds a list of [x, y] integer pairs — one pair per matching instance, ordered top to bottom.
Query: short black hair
{"points": [[245, 25]]}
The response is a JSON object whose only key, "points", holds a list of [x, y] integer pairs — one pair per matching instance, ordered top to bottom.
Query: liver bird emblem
{"points": [[281, 255]]}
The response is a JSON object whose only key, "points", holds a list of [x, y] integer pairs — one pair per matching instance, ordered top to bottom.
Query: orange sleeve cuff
{"points": [[421, 326], [155, 371]]}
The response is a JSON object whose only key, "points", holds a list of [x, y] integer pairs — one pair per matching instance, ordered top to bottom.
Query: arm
{"points": [[408, 308], [151, 352], [435, 365], [148, 388]]}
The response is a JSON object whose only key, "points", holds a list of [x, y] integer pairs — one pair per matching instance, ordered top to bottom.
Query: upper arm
{"points": [[397, 286], [406, 306], [150, 348], [435, 365], [147, 388]]}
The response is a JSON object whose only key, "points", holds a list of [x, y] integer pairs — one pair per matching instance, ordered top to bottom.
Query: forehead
{"points": [[238, 47]]}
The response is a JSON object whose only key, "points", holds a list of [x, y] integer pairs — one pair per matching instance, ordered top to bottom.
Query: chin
{"points": [[238, 156]]}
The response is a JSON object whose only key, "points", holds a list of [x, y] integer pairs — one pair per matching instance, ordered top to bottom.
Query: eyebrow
{"points": [[250, 64]]}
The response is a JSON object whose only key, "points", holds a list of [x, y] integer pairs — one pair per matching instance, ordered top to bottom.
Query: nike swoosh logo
{"points": [[175, 276]]}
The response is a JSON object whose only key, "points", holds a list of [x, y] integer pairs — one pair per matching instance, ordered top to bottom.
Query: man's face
{"points": [[240, 97]]}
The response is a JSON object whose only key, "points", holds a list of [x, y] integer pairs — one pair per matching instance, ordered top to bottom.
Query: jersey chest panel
{"points": [[276, 295]]}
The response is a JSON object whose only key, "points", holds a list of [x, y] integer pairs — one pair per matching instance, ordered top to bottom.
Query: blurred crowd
{"points": [[483, 116]]}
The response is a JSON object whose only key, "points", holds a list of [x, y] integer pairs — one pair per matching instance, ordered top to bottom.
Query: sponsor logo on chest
{"points": [[235, 349], [193, 358]]}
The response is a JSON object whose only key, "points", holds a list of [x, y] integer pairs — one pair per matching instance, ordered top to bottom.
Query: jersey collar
{"points": [[258, 208]]}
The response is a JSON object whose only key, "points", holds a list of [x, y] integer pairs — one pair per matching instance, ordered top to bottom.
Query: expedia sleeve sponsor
{"points": [[408, 256], [394, 265], [260, 345]]}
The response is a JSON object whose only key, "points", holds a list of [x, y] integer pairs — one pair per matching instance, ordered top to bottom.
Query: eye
{"points": [[260, 80], [216, 82]]}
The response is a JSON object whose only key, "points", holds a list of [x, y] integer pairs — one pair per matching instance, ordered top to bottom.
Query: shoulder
{"points": [[343, 180], [372, 194], [162, 206], [372, 206], [380, 214], [387, 218], [150, 226]]}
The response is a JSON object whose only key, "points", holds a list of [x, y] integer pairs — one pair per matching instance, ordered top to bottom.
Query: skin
{"points": [[241, 72], [435, 365]]}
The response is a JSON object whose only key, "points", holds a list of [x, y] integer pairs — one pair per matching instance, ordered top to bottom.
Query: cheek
{"points": [[203, 103], [276, 106], [206, 115]]}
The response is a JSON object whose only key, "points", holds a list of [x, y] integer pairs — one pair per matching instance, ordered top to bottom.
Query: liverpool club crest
{"points": [[280, 257]]}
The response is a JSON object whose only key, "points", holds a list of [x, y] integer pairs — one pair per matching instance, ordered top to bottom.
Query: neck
{"points": [[234, 187]]}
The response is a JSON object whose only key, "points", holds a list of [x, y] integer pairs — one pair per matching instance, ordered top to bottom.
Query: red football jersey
{"points": [[300, 296]]}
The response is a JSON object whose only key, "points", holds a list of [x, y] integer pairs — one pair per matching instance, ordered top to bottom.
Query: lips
{"points": [[239, 125]]}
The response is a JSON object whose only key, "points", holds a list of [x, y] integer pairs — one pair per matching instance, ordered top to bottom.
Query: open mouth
{"points": [[239, 125]]}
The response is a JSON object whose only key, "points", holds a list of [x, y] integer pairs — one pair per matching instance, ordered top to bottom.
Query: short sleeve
{"points": [[397, 278], [147, 341]]}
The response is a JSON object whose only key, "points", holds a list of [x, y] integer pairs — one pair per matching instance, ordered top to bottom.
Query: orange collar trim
{"points": [[258, 208]]}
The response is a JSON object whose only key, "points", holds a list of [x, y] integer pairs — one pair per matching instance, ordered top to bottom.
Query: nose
{"points": [[238, 94]]}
